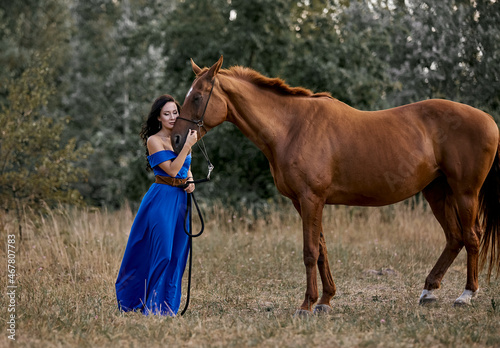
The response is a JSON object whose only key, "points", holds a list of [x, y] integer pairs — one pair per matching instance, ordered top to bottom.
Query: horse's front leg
{"points": [[311, 211], [329, 288]]}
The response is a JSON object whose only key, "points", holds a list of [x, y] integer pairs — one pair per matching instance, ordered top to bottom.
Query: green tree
{"points": [[29, 27], [343, 50], [449, 50], [110, 59], [117, 70], [35, 167]]}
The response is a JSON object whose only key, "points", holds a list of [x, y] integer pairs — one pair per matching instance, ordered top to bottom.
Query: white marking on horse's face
{"points": [[189, 92]]}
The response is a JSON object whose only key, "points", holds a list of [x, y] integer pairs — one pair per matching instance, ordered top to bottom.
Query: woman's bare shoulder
{"points": [[153, 139], [155, 143]]}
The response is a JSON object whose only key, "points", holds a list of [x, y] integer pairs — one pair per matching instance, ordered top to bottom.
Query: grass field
{"points": [[248, 280]]}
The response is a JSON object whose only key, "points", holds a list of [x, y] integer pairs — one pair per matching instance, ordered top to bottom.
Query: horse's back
{"points": [[451, 127], [382, 157]]}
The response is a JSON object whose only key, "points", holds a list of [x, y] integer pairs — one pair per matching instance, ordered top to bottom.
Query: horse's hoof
{"points": [[427, 297], [466, 298], [427, 300], [460, 303], [322, 309], [302, 313]]}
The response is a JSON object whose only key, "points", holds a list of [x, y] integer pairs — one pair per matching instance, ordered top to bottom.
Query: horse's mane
{"points": [[275, 84]]}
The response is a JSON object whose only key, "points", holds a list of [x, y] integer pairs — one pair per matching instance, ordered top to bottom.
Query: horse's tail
{"points": [[489, 210]]}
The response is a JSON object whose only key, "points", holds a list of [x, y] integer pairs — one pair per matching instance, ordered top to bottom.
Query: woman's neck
{"points": [[164, 133]]}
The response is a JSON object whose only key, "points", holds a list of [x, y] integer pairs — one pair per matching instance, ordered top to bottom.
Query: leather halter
{"points": [[199, 122], [200, 125]]}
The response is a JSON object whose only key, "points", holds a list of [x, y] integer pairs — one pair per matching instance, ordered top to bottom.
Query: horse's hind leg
{"points": [[442, 203], [468, 206], [456, 210]]}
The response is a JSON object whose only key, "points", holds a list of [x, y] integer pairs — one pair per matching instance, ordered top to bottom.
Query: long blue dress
{"points": [[155, 257]]}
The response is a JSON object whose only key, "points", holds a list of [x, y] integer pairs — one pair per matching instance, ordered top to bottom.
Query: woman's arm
{"points": [[172, 168]]}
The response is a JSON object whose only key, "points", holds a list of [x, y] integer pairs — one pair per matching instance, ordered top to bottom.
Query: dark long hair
{"points": [[152, 125]]}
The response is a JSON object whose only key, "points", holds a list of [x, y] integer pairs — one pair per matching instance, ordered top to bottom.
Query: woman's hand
{"points": [[191, 138], [189, 188]]}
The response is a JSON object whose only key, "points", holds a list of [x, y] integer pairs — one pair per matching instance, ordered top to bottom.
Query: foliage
{"points": [[31, 26], [449, 50], [112, 58], [348, 59], [117, 72], [35, 166]]}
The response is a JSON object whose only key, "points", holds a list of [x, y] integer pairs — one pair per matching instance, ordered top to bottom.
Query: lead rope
{"points": [[203, 150], [189, 229]]}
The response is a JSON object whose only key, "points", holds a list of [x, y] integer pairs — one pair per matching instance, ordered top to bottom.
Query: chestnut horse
{"points": [[322, 151]]}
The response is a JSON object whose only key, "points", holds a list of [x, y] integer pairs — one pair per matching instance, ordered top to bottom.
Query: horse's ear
{"points": [[196, 68], [215, 68]]}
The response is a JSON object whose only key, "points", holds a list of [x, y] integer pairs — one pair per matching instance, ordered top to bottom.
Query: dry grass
{"points": [[248, 280]]}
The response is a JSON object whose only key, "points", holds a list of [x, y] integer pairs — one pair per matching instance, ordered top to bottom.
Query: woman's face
{"points": [[168, 115]]}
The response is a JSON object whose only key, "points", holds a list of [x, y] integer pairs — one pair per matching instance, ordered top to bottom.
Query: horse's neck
{"points": [[260, 115]]}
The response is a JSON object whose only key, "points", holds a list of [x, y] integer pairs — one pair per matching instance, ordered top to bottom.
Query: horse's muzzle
{"points": [[178, 142]]}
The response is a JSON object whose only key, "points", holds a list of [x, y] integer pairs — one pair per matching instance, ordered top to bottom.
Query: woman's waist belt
{"points": [[167, 180]]}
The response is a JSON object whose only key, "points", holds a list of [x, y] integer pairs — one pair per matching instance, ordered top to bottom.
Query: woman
{"points": [[150, 275]]}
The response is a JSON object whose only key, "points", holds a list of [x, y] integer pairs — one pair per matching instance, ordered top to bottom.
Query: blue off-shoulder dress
{"points": [[151, 272]]}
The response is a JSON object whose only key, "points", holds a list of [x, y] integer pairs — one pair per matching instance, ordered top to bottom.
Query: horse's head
{"points": [[203, 107]]}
